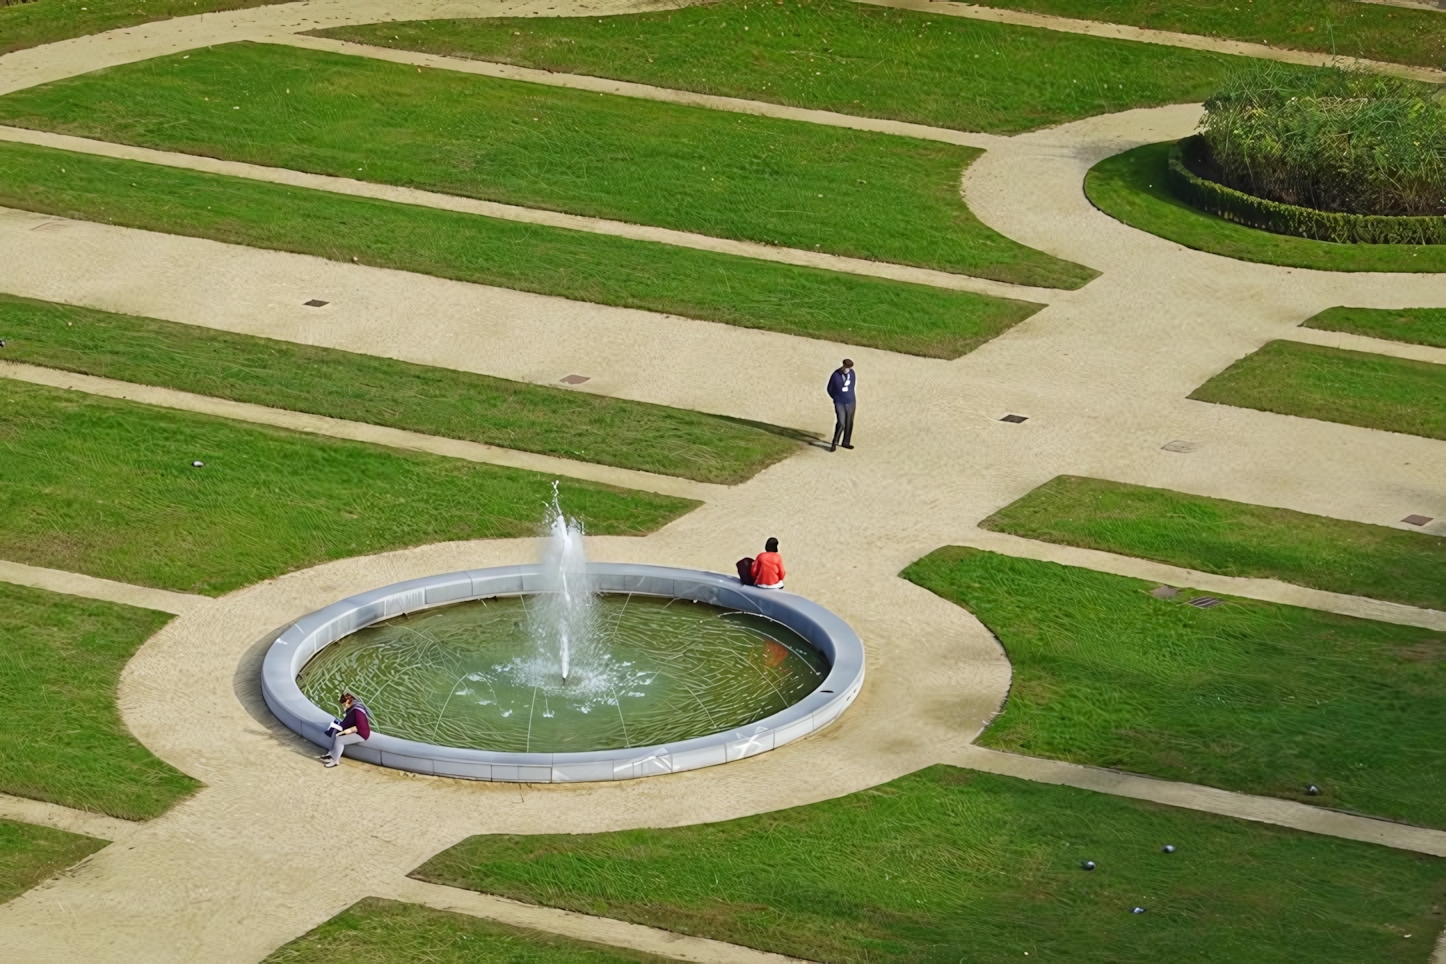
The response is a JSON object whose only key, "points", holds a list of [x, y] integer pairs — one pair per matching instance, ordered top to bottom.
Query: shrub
{"points": [[1329, 139], [1186, 182]]}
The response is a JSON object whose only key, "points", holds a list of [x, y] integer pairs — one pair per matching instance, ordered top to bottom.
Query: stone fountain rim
{"points": [[294, 647]]}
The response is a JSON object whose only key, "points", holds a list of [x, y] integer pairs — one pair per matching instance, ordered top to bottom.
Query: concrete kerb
{"points": [[295, 646]]}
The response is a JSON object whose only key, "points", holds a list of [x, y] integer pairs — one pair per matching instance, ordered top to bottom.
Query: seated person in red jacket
{"points": [[768, 567], [355, 727]]}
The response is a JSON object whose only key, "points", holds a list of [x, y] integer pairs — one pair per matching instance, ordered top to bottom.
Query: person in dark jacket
{"points": [[843, 388], [354, 727]]}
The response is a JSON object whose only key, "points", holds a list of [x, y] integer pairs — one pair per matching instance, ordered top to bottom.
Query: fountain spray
{"points": [[564, 615]]}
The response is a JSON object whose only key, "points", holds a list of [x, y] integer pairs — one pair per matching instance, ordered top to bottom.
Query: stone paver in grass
{"points": [[1350, 28], [834, 55], [729, 175], [1131, 188], [808, 302], [1416, 326], [1336, 385], [384, 391], [109, 488], [1232, 538], [1233, 693], [61, 737], [30, 854], [948, 863], [377, 931]]}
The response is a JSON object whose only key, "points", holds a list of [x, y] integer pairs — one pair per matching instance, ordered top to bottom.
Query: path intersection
{"points": [[1102, 375]]}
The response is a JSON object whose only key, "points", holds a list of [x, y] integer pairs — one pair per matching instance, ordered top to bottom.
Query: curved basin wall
{"points": [[831, 635]]}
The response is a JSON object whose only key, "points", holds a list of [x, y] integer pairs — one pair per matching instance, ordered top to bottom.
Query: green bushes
{"points": [[1331, 140], [1189, 156]]}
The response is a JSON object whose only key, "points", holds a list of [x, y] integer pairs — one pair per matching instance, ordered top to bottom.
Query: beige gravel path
{"points": [[1116, 31], [358, 431], [106, 590], [24, 810], [242, 866]]}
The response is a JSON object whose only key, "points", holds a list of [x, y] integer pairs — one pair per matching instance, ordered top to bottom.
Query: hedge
{"points": [[1254, 212]]}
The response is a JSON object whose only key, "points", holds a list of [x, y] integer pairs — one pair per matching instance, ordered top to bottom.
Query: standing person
{"points": [[843, 389], [768, 567], [354, 727]]}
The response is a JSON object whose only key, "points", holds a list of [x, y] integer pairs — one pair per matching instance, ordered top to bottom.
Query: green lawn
{"points": [[28, 23], [1346, 27], [838, 55], [727, 175], [1131, 188], [891, 315], [1417, 326], [1335, 385], [366, 388], [107, 488], [1232, 538], [1249, 696], [61, 736], [31, 854], [946, 865], [377, 931]]}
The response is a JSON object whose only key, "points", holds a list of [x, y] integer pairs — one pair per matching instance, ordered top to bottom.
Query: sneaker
{"points": [[847, 445], [330, 763]]}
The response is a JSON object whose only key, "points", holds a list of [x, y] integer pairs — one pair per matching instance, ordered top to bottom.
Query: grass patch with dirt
{"points": [[1349, 28], [853, 58], [729, 175], [1131, 187], [808, 302], [1415, 326], [1336, 385], [384, 391], [107, 488], [1232, 538], [1248, 696], [61, 736], [31, 854], [947, 864], [377, 931]]}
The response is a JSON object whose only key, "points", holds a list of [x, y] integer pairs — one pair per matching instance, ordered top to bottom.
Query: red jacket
{"points": [[768, 569]]}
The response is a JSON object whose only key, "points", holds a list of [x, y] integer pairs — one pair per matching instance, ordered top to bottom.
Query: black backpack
{"points": [[745, 570]]}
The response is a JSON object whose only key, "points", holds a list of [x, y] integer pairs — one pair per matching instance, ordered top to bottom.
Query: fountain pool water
{"points": [[474, 675]]}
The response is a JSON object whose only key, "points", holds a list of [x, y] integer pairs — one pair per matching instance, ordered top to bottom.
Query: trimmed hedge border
{"points": [[1254, 212]]}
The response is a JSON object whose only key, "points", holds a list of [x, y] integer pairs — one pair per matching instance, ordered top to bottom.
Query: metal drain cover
{"points": [[316, 303], [573, 379], [1014, 418], [1416, 520], [1204, 602]]}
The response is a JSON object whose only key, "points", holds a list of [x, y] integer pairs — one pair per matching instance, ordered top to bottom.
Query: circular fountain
{"points": [[567, 670]]}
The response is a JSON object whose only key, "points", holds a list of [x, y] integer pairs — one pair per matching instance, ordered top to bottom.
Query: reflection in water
{"points": [[476, 675]]}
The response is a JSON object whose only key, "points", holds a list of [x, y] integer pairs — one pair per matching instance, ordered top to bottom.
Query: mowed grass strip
{"points": [[29, 23], [1347, 28], [853, 58], [717, 173], [1130, 187], [808, 302], [1415, 326], [1336, 385], [384, 391], [107, 488], [1232, 538], [1249, 696], [61, 736], [31, 854], [946, 865], [377, 931]]}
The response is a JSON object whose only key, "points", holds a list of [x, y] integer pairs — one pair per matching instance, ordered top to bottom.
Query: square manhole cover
{"points": [[316, 303], [573, 379], [1015, 418], [1179, 445], [1416, 520], [1164, 592], [1204, 602]]}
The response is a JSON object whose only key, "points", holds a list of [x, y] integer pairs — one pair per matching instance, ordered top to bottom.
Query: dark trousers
{"points": [[843, 422]]}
